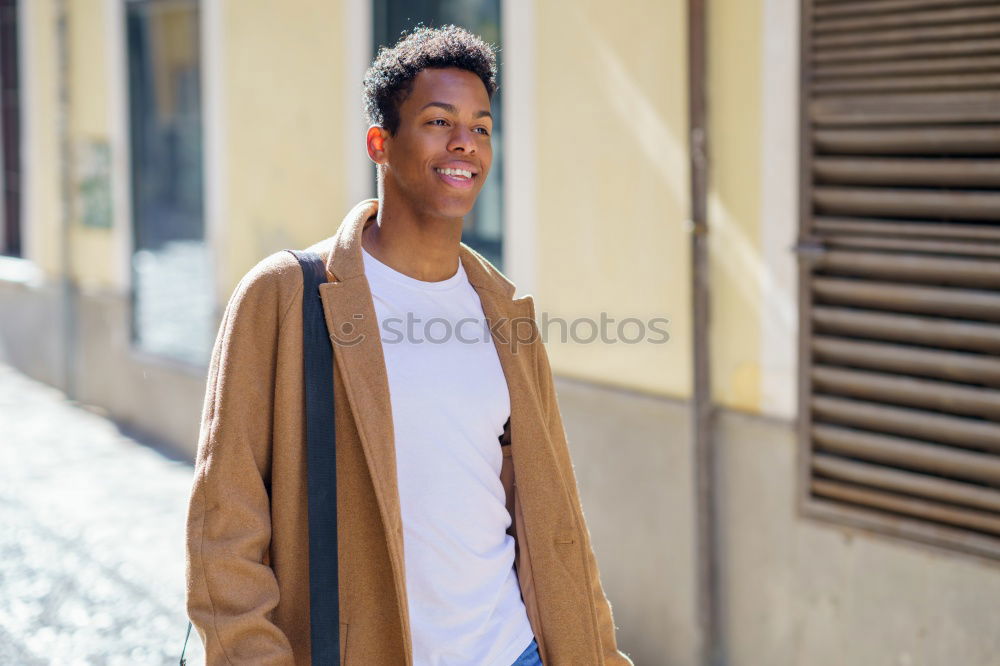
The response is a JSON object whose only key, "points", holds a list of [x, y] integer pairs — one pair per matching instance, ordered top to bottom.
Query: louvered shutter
{"points": [[900, 268]]}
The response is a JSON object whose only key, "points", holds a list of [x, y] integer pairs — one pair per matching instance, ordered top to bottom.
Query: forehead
{"points": [[452, 85]]}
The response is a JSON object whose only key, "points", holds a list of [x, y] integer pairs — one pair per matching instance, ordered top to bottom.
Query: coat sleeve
{"points": [[231, 589], [605, 622]]}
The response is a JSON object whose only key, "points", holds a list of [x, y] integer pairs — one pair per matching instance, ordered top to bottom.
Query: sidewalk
{"points": [[92, 550]]}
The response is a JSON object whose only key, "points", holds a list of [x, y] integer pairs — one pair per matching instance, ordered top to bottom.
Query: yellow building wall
{"points": [[282, 129], [41, 148], [613, 185], [93, 251], [736, 266]]}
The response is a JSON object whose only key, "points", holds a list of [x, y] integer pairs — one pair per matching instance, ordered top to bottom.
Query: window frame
{"points": [[494, 250]]}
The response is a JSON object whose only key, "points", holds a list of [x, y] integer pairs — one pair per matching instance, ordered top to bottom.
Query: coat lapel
{"points": [[350, 316], [510, 321], [535, 466]]}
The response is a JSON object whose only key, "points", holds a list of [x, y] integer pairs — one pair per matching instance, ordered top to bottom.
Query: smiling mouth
{"points": [[459, 178]]}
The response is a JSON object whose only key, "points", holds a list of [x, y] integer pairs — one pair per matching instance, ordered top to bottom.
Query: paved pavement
{"points": [[92, 538]]}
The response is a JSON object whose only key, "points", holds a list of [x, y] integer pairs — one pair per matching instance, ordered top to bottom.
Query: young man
{"points": [[461, 536]]}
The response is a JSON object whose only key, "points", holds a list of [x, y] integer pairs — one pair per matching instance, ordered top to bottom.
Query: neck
{"points": [[417, 245]]}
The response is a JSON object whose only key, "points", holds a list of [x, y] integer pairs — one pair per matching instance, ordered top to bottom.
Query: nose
{"points": [[462, 139]]}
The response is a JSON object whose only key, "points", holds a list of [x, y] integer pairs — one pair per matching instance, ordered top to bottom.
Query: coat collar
{"points": [[345, 260]]}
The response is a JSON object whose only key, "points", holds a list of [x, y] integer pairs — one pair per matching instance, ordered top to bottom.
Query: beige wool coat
{"points": [[247, 530]]}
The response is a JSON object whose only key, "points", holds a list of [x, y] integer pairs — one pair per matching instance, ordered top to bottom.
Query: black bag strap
{"points": [[321, 459], [324, 602], [184, 649]]}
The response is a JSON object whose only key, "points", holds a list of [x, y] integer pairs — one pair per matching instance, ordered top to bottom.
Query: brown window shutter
{"points": [[900, 268]]}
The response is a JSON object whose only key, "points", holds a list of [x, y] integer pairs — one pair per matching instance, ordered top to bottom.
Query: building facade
{"points": [[839, 504]]}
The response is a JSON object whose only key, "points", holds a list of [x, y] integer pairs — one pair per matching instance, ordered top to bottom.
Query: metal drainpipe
{"points": [[67, 283], [707, 547]]}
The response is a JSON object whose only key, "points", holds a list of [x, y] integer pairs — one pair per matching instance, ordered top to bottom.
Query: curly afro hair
{"points": [[389, 80]]}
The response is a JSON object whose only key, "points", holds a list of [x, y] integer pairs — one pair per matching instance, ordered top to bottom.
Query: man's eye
{"points": [[438, 119], [486, 132]]}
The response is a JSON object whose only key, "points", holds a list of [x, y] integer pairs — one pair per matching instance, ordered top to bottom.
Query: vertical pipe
{"points": [[10, 153], [808, 248], [67, 283], [709, 618]]}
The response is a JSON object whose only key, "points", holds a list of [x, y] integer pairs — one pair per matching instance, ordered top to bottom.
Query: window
{"points": [[10, 125], [483, 228], [900, 288], [172, 294]]}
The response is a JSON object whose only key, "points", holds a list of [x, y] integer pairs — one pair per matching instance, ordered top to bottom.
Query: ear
{"points": [[377, 140]]}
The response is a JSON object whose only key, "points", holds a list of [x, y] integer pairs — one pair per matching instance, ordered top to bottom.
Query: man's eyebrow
{"points": [[450, 108]]}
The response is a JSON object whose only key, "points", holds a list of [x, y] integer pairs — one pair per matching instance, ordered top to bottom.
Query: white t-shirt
{"points": [[449, 404]]}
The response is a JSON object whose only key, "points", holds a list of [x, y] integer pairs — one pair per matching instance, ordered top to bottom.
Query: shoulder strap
{"points": [[324, 602], [184, 649]]}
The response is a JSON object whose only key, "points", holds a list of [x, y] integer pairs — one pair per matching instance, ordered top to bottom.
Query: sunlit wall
{"points": [[611, 159]]}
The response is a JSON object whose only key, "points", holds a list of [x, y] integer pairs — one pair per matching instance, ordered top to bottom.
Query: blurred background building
{"points": [[807, 472]]}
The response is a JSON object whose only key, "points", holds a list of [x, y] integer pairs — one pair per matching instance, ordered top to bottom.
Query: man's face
{"points": [[444, 124]]}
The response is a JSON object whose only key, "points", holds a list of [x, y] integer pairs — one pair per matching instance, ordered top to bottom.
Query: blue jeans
{"points": [[530, 656]]}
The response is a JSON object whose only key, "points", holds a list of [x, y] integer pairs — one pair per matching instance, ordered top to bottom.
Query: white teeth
{"points": [[455, 172]]}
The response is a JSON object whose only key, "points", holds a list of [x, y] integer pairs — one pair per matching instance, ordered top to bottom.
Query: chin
{"points": [[452, 208]]}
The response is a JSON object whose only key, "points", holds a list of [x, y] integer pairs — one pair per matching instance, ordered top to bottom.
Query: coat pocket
{"points": [[565, 538], [343, 643]]}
